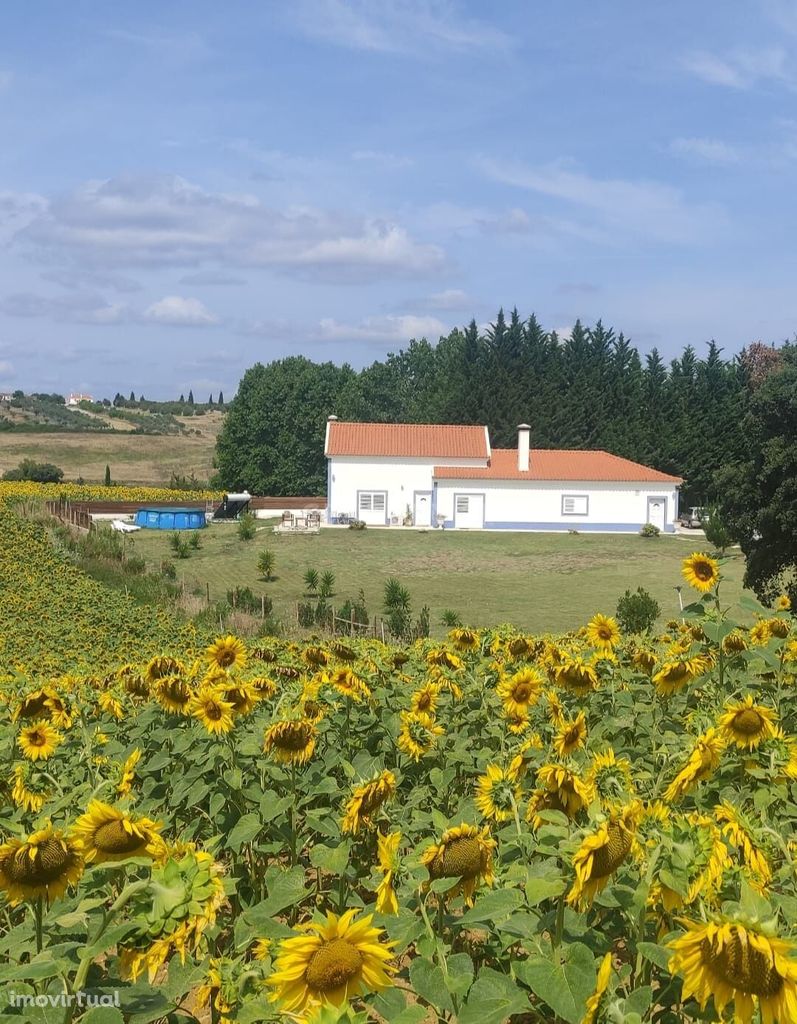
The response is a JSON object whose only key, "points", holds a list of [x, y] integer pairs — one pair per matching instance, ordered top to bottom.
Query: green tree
{"points": [[190, 397], [220, 402], [272, 441], [108, 481], [758, 496], [265, 563]]}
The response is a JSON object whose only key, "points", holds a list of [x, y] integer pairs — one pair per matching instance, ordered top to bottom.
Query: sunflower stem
{"points": [[293, 814], [38, 913], [560, 922]]}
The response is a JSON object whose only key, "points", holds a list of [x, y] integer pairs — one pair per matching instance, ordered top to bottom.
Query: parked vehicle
{"points": [[693, 519]]}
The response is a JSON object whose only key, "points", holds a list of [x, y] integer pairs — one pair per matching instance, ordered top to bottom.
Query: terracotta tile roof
{"points": [[422, 440], [558, 464]]}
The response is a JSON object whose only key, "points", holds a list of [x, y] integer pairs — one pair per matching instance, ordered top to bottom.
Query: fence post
{"points": [[207, 590], [262, 606]]}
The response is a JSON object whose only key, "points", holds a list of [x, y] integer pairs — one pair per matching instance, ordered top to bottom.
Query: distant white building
{"points": [[5, 396], [76, 398], [448, 475]]}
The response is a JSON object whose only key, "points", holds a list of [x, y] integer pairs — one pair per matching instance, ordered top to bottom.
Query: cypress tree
{"points": [[190, 397]]}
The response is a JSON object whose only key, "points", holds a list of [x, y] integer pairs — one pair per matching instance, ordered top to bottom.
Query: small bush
{"points": [[37, 472], [357, 524], [247, 526], [649, 530], [717, 533], [194, 540], [174, 541], [182, 549], [265, 563], [135, 565], [168, 570], [311, 580], [326, 587], [244, 600], [355, 610], [637, 612], [450, 618]]}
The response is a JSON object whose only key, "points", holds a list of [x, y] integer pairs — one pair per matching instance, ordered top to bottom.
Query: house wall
{"points": [[400, 478], [517, 505]]}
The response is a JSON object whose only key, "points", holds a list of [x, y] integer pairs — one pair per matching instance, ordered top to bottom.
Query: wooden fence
{"points": [[66, 512]]}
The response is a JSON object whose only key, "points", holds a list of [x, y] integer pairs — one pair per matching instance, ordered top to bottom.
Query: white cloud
{"points": [[394, 26], [741, 68], [704, 149], [377, 156], [649, 209], [167, 221], [449, 298], [177, 311], [383, 329]]}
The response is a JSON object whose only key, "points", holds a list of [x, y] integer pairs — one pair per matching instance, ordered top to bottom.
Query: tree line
{"points": [[592, 389]]}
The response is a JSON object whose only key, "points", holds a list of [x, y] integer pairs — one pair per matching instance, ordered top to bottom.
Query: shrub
{"points": [[37, 472], [357, 524], [246, 526], [649, 530], [717, 533], [194, 540], [174, 541], [182, 549], [265, 563], [135, 565], [168, 570], [311, 580], [326, 587], [244, 600], [397, 607], [355, 610], [637, 612], [450, 618], [423, 623]]}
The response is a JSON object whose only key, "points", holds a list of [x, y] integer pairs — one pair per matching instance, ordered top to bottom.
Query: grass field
{"points": [[133, 458], [537, 581]]}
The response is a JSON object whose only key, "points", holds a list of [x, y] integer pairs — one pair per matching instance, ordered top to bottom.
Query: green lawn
{"points": [[538, 581]]}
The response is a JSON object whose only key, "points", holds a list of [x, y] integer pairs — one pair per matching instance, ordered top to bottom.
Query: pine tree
{"points": [[132, 396], [190, 397], [182, 399], [210, 399], [221, 399], [108, 481]]}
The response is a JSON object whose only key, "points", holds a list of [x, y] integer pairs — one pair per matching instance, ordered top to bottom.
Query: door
{"points": [[371, 507], [657, 508], [468, 511], [422, 515]]}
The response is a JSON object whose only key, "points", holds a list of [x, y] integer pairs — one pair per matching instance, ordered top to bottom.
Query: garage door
{"points": [[371, 507], [469, 511]]}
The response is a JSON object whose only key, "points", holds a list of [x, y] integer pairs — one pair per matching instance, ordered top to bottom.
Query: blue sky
{"points": [[187, 188]]}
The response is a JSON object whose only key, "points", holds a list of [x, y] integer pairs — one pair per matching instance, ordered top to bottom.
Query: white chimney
{"points": [[523, 431]]}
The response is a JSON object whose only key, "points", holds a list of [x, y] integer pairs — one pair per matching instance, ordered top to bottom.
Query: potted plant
{"points": [[407, 521]]}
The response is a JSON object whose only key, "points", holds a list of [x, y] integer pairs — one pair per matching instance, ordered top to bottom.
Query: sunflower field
{"points": [[502, 827]]}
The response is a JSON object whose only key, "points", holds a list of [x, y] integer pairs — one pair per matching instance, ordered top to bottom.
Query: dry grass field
{"points": [[133, 458]]}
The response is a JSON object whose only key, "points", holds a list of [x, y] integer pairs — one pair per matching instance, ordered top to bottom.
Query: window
{"points": [[373, 501], [463, 503], [575, 504]]}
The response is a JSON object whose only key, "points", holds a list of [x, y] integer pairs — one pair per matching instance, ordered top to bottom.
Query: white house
{"points": [[76, 398], [450, 476]]}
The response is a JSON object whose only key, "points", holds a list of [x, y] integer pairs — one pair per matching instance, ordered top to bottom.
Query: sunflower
{"points": [[700, 571], [782, 603], [603, 632], [760, 633], [464, 639], [735, 642], [227, 652], [315, 657], [442, 658], [644, 660], [162, 666], [675, 674], [576, 675], [349, 684], [265, 687], [520, 691], [173, 694], [244, 697], [425, 699], [110, 704], [33, 705], [212, 710], [746, 723], [517, 724], [418, 734], [571, 735], [291, 741], [38, 742], [703, 760], [521, 762], [128, 773], [611, 777], [570, 792], [497, 793], [28, 799], [366, 800], [106, 834], [740, 834], [465, 853], [601, 853], [388, 858], [44, 864], [262, 949], [330, 963], [743, 964], [594, 1002]]}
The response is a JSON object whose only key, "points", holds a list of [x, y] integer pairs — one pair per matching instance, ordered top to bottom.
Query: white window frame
{"points": [[465, 500], [376, 501], [579, 504]]}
